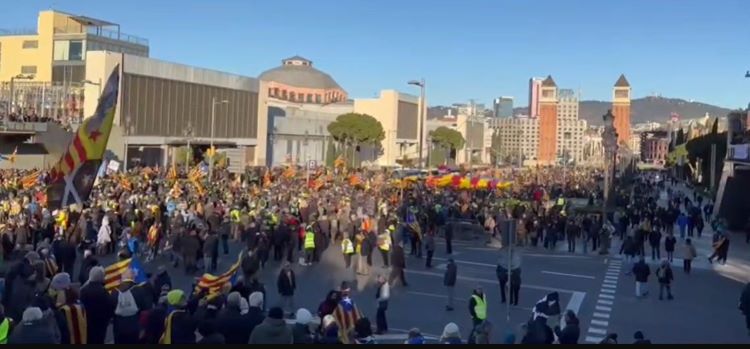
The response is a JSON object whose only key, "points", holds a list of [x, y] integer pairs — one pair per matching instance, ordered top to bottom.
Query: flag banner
{"points": [[72, 178], [113, 273], [213, 284], [346, 314]]}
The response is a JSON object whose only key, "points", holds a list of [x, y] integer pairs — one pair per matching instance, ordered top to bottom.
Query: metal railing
{"points": [[20, 31], [115, 35], [14, 126]]}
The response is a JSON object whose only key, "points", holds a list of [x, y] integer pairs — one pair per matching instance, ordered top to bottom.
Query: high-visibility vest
{"points": [[560, 201], [235, 215], [367, 225], [309, 240], [384, 242], [347, 247], [480, 309], [75, 320], [4, 329]]}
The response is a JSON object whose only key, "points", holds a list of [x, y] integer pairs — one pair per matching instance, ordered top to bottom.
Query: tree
{"points": [[715, 127], [353, 130], [447, 140], [495, 152], [182, 154], [330, 154]]}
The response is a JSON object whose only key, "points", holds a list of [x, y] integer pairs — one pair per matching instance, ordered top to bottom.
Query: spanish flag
{"points": [[72, 178]]}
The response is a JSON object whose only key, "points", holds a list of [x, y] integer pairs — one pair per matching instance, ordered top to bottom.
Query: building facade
{"points": [[42, 71], [297, 81], [535, 93], [165, 105], [503, 107], [621, 110], [398, 113], [570, 128], [519, 139], [654, 147], [547, 154]]}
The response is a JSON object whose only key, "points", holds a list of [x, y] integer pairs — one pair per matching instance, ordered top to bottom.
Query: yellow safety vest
{"points": [[560, 201], [235, 216], [309, 240], [347, 247], [480, 309], [4, 329]]}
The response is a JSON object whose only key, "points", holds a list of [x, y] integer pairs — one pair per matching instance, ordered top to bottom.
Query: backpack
{"points": [[126, 305]]}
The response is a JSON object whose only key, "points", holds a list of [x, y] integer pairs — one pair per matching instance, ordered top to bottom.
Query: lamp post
{"points": [[747, 74], [97, 84], [421, 84], [12, 91], [214, 102], [129, 129], [187, 132], [609, 143]]}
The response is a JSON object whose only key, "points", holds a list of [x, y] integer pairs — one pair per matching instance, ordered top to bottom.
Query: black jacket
{"points": [[397, 257], [86, 265], [641, 271], [451, 273], [286, 285], [745, 300], [99, 311], [234, 326], [538, 332], [569, 334]]}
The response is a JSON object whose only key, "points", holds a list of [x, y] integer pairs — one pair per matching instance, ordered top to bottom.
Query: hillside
{"points": [[642, 110]]}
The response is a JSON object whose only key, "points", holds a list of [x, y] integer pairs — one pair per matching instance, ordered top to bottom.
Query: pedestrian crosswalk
{"points": [[700, 262], [599, 323]]}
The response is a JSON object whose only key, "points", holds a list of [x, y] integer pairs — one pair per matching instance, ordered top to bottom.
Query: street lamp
{"points": [[747, 74], [97, 84], [421, 84], [12, 97], [214, 102], [129, 130], [187, 132], [609, 143]]}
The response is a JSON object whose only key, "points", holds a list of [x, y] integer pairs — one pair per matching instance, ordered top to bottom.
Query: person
{"points": [[682, 221], [448, 238], [654, 239], [669, 242], [309, 244], [384, 245], [429, 246], [347, 249], [721, 250], [210, 252], [689, 255], [89, 261], [398, 264], [641, 272], [665, 277], [502, 280], [449, 281], [286, 284], [515, 285], [381, 296], [96, 301], [745, 305], [478, 306], [255, 310], [232, 323], [125, 325], [179, 325], [6, 326], [33, 329], [301, 329], [273, 330], [329, 331], [363, 332], [538, 332], [571, 332], [209, 333], [451, 334], [414, 337], [610, 338], [640, 338]]}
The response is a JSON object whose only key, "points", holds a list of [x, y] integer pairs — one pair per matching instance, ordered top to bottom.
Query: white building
{"points": [[570, 128], [519, 138]]}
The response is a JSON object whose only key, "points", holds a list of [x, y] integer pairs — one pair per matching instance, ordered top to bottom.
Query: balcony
{"points": [[116, 35]]}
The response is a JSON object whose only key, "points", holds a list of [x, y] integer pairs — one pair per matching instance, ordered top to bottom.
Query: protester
{"points": [[273, 330]]}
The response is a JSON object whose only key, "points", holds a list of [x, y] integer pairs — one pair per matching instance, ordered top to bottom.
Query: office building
{"points": [[535, 92], [503, 107], [519, 139]]}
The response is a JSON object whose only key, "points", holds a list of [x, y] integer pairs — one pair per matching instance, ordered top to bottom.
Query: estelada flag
{"points": [[72, 178], [113, 273], [213, 284], [346, 314]]}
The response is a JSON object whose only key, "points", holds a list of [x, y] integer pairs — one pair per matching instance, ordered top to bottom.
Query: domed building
{"points": [[297, 81]]}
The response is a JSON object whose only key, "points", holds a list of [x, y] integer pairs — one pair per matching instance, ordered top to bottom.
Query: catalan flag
{"points": [[12, 158], [339, 162], [172, 174], [72, 178], [30, 180], [113, 273], [214, 283], [347, 314]]}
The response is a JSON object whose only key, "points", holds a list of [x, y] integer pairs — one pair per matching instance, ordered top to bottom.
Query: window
{"points": [[30, 44], [60, 50], [76, 50], [28, 69], [276, 91], [283, 94], [292, 96], [309, 98], [317, 98]]}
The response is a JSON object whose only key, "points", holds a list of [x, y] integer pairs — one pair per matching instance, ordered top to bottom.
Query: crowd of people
{"points": [[169, 216]]}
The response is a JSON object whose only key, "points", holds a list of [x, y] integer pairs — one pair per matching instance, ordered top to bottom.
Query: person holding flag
{"points": [[346, 314]]}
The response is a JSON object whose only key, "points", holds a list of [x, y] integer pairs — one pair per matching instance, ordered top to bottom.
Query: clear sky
{"points": [[479, 49]]}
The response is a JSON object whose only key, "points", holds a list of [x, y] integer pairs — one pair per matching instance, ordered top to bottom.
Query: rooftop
{"points": [[298, 72], [622, 81], [549, 82]]}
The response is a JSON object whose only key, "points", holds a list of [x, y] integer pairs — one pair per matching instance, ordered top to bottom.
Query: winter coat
{"points": [[105, 232], [669, 243], [211, 245], [689, 252], [397, 257], [86, 265], [641, 271], [451, 273], [664, 274], [286, 283], [21, 296], [99, 311], [255, 317], [184, 325], [125, 326], [234, 326], [272, 331], [34, 332], [538, 332], [301, 334], [569, 334]]}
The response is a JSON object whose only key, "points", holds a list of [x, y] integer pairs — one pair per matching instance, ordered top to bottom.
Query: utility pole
{"points": [[212, 153], [713, 168]]}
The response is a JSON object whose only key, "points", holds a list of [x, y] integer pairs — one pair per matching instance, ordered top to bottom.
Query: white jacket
{"points": [[105, 232]]}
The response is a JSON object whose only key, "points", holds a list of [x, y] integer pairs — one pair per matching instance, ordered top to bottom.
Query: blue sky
{"points": [[480, 49]]}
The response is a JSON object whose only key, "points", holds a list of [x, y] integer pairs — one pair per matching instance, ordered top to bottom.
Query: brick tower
{"points": [[621, 109], [548, 122]]}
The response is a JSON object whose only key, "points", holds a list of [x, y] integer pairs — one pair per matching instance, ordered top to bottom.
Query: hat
{"points": [[96, 274], [61, 281], [175, 297], [233, 299], [255, 299], [244, 306], [276, 313], [32, 314], [303, 316], [328, 320], [451, 330], [638, 335]]}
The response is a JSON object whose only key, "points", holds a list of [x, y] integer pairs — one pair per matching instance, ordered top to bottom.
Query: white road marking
{"points": [[554, 256], [566, 274], [610, 277], [610, 282], [609, 286], [604, 290], [606, 296], [604, 301], [574, 304], [603, 308], [602, 315], [600, 323], [597, 330], [592, 339]]}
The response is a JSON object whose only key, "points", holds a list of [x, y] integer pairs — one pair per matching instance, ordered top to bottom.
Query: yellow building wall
{"points": [[14, 56]]}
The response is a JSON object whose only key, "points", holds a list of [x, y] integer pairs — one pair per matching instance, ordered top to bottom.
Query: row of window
{"points": [[29, 44], [304, 98]]}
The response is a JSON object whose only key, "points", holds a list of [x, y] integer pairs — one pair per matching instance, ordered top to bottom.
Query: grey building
{"points": [[503, 107]]}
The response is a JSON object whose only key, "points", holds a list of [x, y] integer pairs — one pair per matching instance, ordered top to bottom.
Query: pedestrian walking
{"points": [[654, 239], [669, 244], [384, 245], [429, 246], [347, 249], [688, 256], [398, 264], [641, 271], [664, 276], [502, 280], [449, 281], [286, 284], [515, 285], [382, 296], [478, 306]]}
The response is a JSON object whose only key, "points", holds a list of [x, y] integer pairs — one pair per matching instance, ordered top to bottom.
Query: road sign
{"points": [[311, 163]]}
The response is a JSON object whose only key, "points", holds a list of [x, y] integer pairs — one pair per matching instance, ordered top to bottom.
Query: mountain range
{"points": [[656, 109]]}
